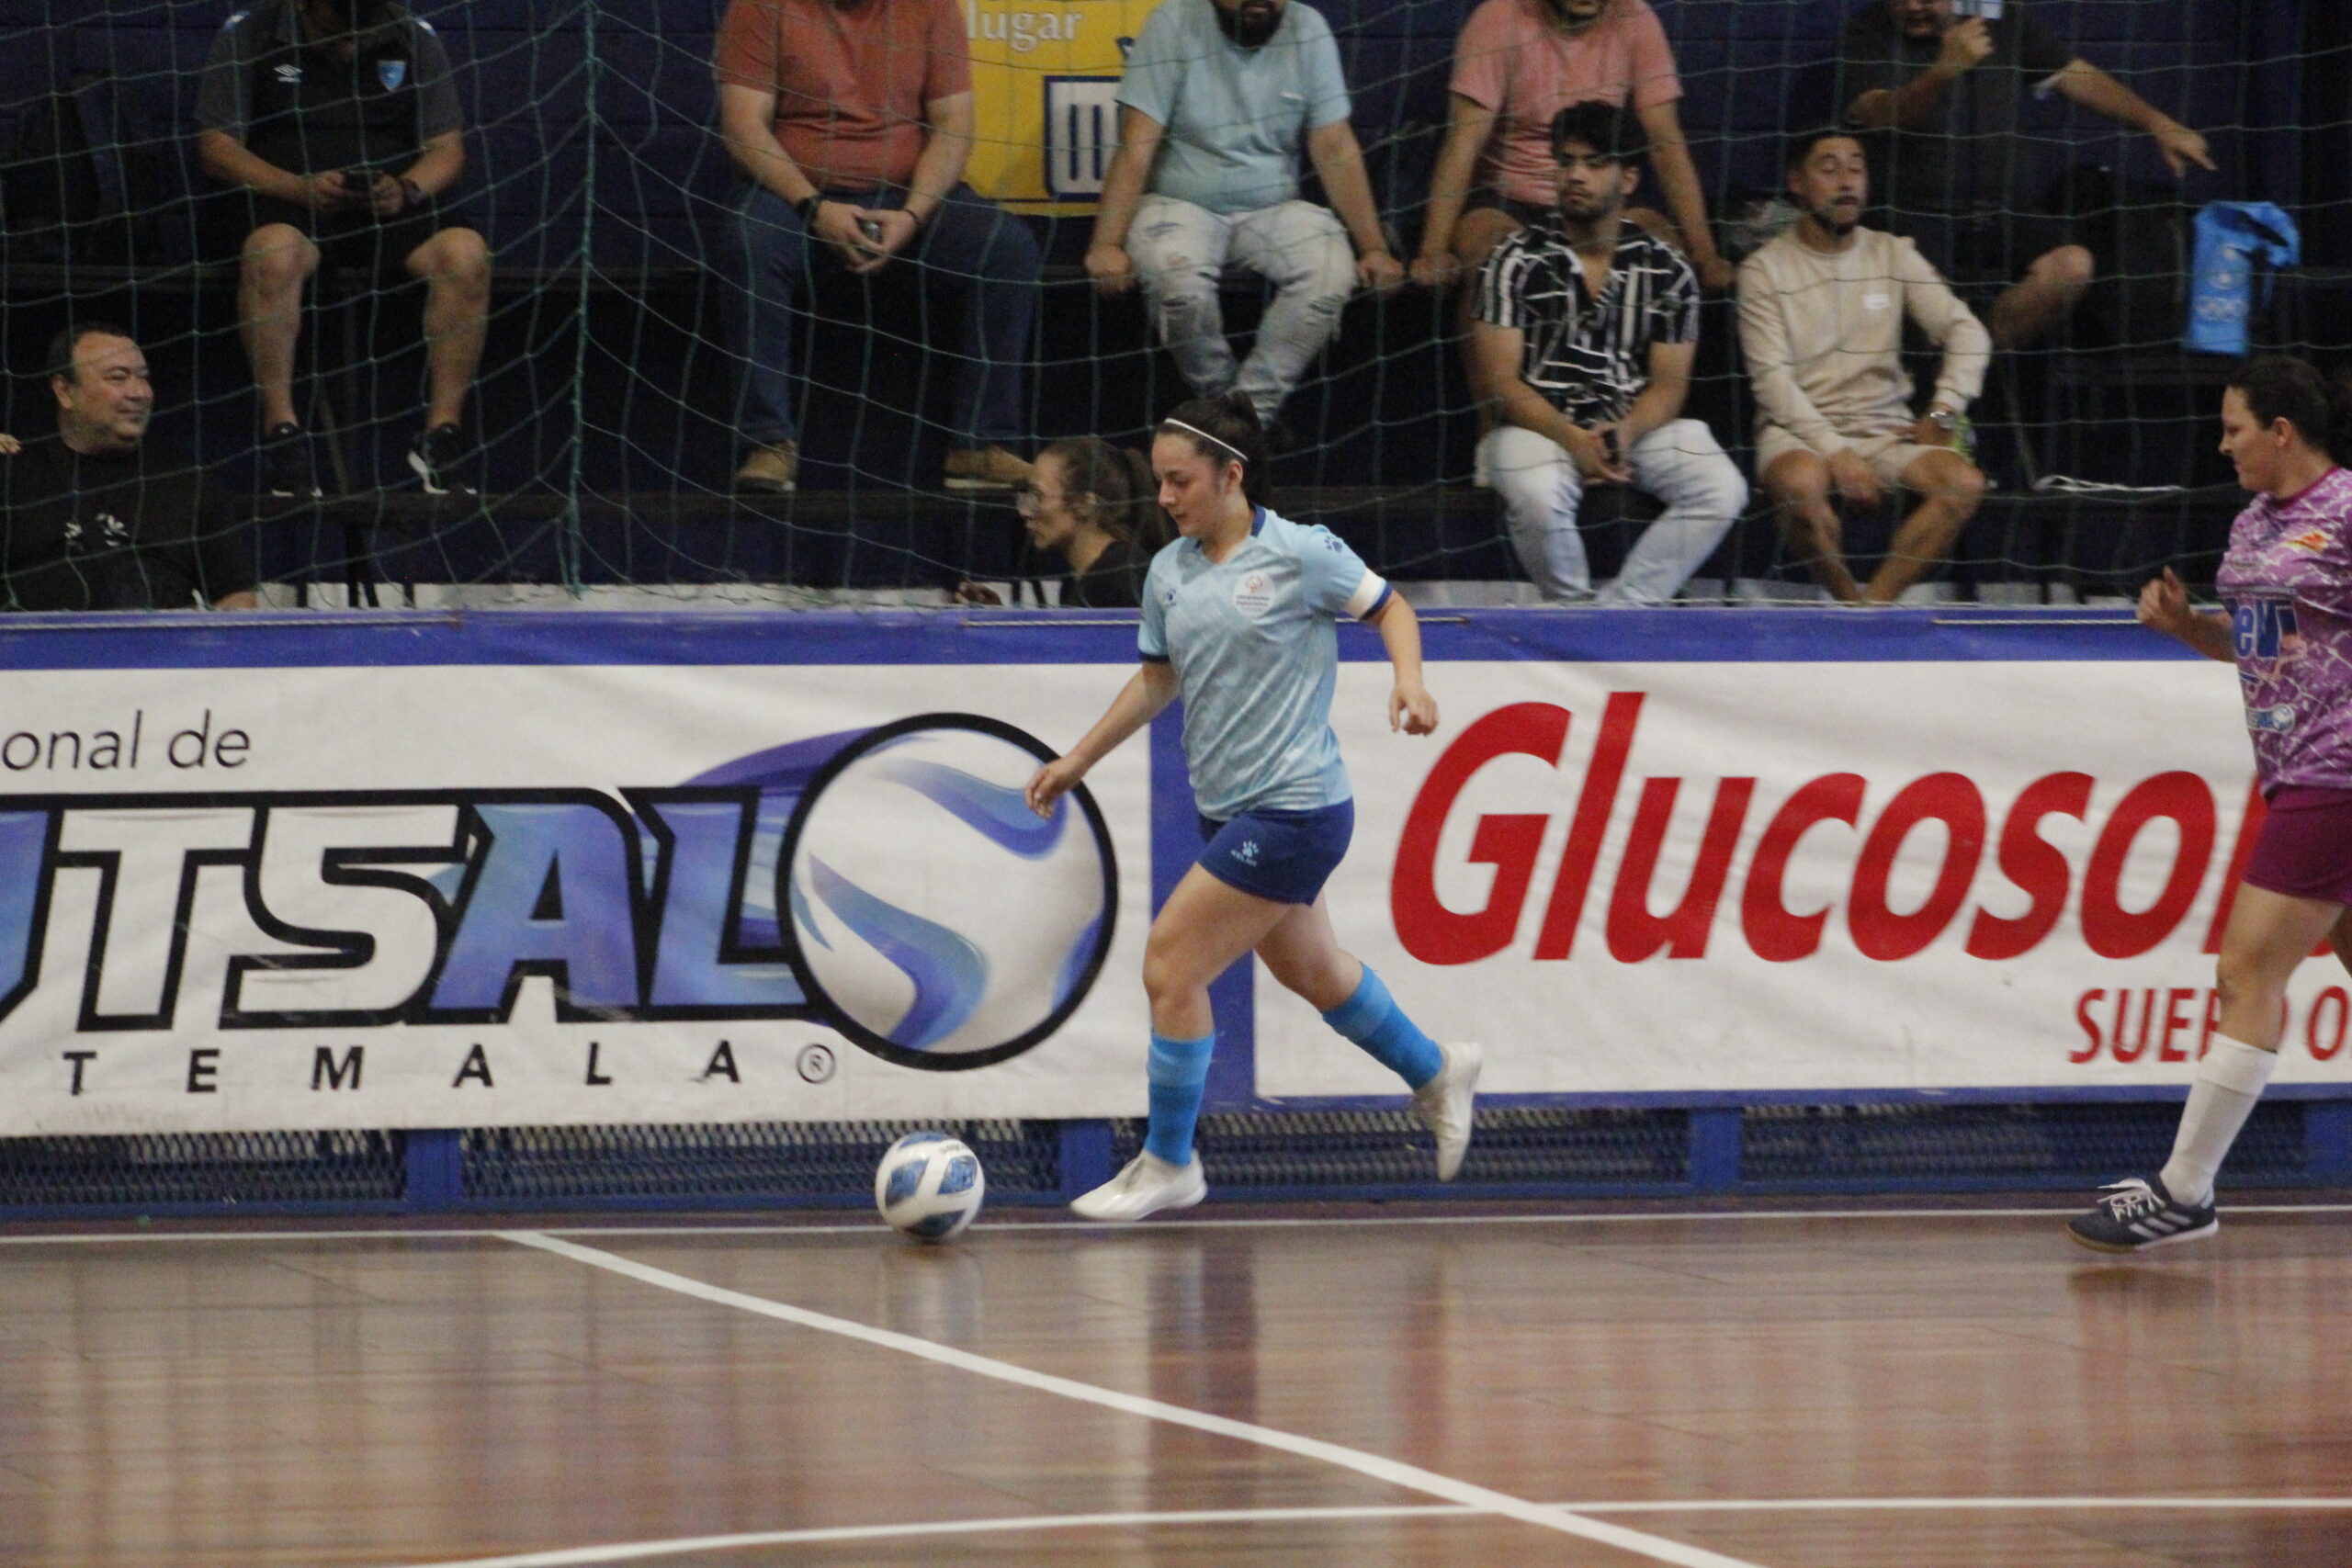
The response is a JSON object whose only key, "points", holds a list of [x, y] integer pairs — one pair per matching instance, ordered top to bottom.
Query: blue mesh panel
{"points": [[2081, 1142], [1388, 1147], [778, 1160], [203, 1167]]}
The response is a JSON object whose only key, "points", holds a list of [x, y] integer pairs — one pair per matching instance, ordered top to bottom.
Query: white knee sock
{"points": [[2229, 1080]]}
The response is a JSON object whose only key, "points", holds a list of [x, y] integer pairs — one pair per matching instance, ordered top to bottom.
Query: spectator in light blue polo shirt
{"points": [[1217, 98]]}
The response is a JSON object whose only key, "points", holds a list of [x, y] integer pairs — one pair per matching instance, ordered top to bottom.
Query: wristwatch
{"points": [[412, 194], [807, 207], [1944, 420]]}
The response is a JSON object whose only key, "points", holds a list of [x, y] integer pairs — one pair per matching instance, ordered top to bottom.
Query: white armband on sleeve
{"points": [[1370, 595]]}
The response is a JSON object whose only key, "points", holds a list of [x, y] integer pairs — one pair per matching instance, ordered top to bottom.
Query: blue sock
{"points": [[1373, 1020], [1179, 1070]]}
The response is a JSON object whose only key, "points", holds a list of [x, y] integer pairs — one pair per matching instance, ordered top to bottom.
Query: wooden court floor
{"points": [[1607, 1386]]}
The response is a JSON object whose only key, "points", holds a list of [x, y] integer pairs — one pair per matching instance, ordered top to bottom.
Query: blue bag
{"points": [[2233, 238]]}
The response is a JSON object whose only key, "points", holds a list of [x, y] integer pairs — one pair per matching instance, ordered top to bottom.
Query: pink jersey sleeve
{"points": [[1482, 56], [1654, 79]]}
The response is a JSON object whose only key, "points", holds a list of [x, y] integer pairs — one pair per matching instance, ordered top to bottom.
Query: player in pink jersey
{"points": [[2287, 583]]}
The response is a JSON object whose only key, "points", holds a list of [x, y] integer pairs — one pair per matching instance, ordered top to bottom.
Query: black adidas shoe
{"points": [[438, 457], [285, 469], [2140, 1215]]}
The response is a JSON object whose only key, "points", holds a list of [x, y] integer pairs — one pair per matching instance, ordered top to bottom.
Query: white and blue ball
{"points": [[932, 907], [929, 1186]]}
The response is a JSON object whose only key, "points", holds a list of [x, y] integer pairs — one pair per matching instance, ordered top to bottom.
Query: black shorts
{"points": [[1488, 199], [356, 241], [1995, 248]]}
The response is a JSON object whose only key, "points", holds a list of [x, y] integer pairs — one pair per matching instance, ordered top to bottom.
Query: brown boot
{"points": [[986, 468], [769, 470]]}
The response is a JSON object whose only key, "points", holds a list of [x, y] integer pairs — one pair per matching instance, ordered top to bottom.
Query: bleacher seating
{"points": [[589, 142]]}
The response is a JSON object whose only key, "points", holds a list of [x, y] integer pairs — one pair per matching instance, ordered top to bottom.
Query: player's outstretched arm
{"points": [[9, 445], [2164, 607], [1150, 689], [1410, 706]]}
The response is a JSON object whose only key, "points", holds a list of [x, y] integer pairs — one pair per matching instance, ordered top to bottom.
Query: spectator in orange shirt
{"points": [[853, 119]]}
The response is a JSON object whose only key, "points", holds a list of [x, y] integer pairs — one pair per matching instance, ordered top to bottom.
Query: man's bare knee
{"points": [[455, 256], [277, 259], [2069, 269], [1798, 482], [1956, 483]]}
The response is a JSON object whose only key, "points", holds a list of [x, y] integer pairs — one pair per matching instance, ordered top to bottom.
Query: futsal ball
{"points": [[945, 922], [929, 1186]]}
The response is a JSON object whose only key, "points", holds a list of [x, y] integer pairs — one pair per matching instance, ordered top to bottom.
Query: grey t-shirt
{"points": [[225, 101], [1965, 160]]}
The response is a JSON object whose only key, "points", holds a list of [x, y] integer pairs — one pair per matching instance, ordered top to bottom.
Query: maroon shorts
{"points": [[2304, 847]]}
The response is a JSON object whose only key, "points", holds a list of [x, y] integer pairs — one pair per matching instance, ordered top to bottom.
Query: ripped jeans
{"points": [[1181, 252]]}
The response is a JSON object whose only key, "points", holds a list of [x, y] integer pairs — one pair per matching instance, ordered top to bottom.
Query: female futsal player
{"points": [[2287, 582], [1237, 617]]}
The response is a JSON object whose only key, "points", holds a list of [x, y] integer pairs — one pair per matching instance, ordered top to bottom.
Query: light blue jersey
{"points": [[1256, 658]]}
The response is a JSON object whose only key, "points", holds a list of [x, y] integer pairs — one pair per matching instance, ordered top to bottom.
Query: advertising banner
{"points": [[1044, 85], [531, 868], [1669, 878], [525, 886]]}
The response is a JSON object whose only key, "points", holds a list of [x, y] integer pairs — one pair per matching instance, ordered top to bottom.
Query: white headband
{"points": [[1240, 455]]}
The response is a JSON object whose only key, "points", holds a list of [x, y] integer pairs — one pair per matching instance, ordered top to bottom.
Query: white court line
{"points": [[873, 1227], [1393, 1471], [634, 1552]]}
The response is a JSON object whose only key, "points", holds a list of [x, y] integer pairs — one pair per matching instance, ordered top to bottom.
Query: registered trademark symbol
{"points": [[816, 1063]]}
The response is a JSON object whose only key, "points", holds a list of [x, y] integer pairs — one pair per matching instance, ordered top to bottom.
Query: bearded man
{"points": [[1217, 99]]}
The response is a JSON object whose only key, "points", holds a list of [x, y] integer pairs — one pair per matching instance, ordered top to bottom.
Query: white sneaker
{"points": [[1443, 1104], [1147, 1185]]}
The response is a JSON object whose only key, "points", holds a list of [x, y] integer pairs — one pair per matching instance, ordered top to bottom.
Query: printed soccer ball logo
{"points": [[942, 922]]}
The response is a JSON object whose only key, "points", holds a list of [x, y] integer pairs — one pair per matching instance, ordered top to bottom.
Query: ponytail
{"points": [[2278, 386], [1224, 430], [1118, 482]]}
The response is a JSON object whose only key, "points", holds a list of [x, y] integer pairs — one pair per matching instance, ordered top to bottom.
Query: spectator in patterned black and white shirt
{"points": [[1587, 327]]}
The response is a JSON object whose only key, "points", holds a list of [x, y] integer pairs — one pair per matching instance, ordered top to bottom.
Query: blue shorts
{"points": [[1282, 856]]}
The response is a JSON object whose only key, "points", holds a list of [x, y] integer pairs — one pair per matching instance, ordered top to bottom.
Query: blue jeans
{"points": [[980, 251]]}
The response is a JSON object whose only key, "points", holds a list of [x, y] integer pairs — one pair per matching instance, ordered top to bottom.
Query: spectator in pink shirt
{"points": [[1518, 63]]}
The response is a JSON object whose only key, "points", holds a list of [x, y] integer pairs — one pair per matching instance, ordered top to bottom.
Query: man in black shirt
{"points": [[1940, 95], [340, 120], [91, 519]]}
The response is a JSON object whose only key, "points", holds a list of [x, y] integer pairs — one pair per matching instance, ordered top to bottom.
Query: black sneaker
{"points": [[438, 457], [285, 469], [2139, 1215]]}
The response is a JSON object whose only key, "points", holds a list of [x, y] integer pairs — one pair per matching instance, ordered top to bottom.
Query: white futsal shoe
{"points": [[1443, 1104], [1147, 1185]]}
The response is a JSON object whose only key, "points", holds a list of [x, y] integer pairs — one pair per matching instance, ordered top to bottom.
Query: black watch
{"points": [[807, 207]]}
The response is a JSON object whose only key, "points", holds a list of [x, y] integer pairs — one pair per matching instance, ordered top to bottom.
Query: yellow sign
{"points": [[1044, 85]]}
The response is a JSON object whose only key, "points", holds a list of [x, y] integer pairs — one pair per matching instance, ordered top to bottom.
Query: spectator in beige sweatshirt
{"points": [[1821, 313]]}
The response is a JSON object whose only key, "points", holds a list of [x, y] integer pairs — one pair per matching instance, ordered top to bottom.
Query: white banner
{"points": [[555, 869], [1750, 877], [243, 898]]}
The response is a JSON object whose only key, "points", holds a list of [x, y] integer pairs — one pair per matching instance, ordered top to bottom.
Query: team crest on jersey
{"points": [[391, 74], [2313, 540], [1253, 595]]}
